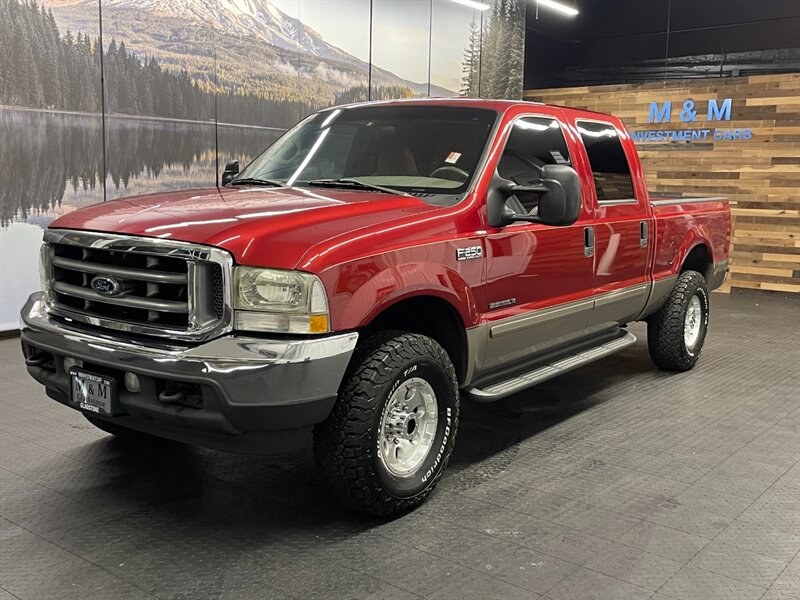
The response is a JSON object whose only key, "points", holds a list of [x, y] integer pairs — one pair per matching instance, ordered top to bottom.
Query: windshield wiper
{"points": [[257, 181], [349, 182]]}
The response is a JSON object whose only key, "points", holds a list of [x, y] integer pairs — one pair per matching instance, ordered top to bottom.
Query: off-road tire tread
{"points": [[665, 327], [343, 444]]}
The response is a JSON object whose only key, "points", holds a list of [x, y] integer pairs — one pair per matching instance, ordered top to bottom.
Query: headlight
{"points": [[279, 301]]}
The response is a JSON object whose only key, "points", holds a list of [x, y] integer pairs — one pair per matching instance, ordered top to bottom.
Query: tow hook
{"points": [[38, 359], [186, 395], [172, 396]]}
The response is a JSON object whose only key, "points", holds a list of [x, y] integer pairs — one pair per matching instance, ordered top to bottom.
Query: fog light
{"points": [[70, 363], [132, 382]]}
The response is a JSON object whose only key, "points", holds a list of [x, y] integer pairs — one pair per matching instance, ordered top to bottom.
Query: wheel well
{"points": [[698, 259], [432, 317]]}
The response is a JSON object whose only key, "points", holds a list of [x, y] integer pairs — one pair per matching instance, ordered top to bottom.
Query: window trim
{"points": [[616, 201], [619, 202]]}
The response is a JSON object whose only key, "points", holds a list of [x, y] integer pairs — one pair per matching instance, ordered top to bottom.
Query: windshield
{"points": [[412, 149]]}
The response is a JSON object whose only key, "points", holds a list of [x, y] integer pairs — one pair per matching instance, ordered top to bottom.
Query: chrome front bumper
{"points": [[249, 385]]}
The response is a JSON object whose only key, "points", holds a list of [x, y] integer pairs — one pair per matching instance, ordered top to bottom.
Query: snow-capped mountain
{"points": [[257, 20], [253, 40]]}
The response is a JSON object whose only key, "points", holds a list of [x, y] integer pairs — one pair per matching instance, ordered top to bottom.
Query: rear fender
{"points": [[697, 236], [674, 245]]}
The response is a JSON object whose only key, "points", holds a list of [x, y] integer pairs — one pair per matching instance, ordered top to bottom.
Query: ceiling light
{"points": [[473, 4], [562, 8]]}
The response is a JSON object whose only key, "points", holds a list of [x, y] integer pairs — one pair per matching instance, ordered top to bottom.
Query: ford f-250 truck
{"points": [[373, 265]]}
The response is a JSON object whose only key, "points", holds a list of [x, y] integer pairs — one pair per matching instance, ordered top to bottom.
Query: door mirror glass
{"points": [[231, 171], [561, 203]]}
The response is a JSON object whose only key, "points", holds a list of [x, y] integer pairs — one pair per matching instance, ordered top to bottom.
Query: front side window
{"points": [[533, 143], [431, 150], [610, 170]]}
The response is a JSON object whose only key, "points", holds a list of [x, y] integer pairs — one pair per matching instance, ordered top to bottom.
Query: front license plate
{"points": [[94, 393]]}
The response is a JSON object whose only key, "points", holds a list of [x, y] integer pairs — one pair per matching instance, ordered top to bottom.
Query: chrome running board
{"points": [[501, 389]]}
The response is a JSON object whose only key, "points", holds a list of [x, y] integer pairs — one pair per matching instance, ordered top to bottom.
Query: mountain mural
{"points": [[258, 49]]}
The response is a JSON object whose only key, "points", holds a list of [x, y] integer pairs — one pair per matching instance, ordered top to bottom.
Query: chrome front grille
{"points": [[139, 285]]}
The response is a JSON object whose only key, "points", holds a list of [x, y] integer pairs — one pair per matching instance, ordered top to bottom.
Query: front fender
{"points": [[360, 291]]}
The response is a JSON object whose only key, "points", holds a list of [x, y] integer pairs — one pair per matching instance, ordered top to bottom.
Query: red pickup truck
{"points": [[375, 264]]}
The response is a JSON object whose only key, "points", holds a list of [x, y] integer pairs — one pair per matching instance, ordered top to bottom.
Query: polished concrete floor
{"points": [[615, 482]]}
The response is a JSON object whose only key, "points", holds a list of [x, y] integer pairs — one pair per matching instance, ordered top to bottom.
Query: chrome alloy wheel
{"points": [[693, 322], [408, 427]]}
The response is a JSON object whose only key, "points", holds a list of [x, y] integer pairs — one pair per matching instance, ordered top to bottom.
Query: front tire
{"points": [[677, 332], [390, 435]]}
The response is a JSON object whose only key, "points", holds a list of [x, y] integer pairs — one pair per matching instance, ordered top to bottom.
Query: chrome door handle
{"points": [[643, 234], [588, 241]]}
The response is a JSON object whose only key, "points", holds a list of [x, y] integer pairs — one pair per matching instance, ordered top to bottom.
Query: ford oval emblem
{"points": [[106, 286]]}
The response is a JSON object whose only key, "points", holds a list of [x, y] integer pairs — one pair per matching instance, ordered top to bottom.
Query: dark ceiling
{"points": [[614, 33]]}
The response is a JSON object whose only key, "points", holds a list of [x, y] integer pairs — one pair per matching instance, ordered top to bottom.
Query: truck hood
{"points": [[272, 227]]}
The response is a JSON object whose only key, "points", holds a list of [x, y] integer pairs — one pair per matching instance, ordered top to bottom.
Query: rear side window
{"points": [[533, 143], [610, 169]]}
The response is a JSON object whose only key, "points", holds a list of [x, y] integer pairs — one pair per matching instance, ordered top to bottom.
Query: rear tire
{"points": [[677, 332], [390, 435]]}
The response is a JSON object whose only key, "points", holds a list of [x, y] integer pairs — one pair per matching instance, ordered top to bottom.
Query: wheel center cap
{"points": [[401, 424]]}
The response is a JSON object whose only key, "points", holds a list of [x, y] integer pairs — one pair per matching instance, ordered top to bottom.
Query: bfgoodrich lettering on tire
{"points": [[676, 333], [390, 435]]}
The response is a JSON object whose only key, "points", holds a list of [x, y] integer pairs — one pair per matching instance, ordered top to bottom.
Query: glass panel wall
{"points": [[400, 48], [189, 85]]}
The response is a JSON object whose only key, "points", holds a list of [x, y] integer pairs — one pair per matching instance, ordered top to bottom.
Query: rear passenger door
{"points": [[621, 227]]}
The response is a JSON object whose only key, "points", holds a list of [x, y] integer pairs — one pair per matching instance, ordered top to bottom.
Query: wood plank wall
{"points": [[761, 176]]}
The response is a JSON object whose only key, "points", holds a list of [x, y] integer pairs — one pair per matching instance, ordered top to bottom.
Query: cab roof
{"points": [[500, 106]]}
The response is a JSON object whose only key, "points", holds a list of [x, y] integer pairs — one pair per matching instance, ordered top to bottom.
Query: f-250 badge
{"points": [[469, 253]]}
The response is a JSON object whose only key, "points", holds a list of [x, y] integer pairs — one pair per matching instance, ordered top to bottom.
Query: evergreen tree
{"points": [[492, 51], [515, 53], [501, 57], [52, 61], [472, 62], [42, 68], [360, 93]]}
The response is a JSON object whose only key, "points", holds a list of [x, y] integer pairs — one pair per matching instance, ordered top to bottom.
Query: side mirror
{"points": [[231, 171], [559, 198]]}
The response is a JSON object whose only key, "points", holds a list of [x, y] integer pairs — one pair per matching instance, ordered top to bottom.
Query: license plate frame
{"points": [[94, 393]]}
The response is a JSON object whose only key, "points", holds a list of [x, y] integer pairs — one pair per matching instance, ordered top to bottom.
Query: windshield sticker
{"points": [[558, 157], [452, 158]]}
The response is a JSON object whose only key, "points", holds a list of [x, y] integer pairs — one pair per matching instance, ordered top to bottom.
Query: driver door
{"points": [[539, 277]]}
